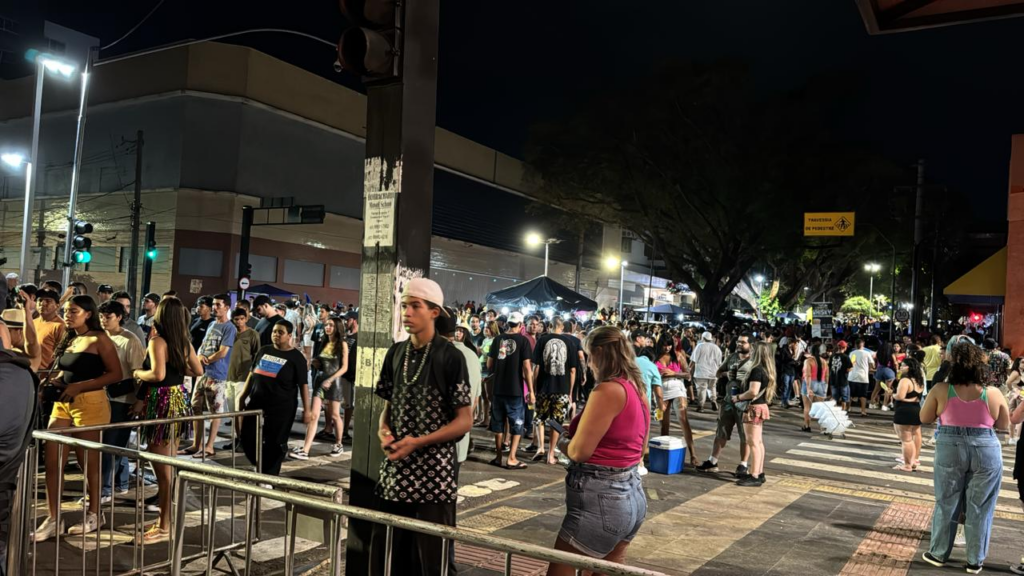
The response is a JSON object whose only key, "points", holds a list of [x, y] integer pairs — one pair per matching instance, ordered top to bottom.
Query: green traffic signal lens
{"points": [[151, 254], [83, 257]]}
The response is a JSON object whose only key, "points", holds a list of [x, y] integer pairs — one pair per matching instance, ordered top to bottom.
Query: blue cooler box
{"points": [[667, 455]]}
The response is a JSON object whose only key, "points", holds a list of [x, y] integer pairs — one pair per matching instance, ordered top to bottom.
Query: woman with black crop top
{"points": [[169, 358], [87, 360], [906, 416]]}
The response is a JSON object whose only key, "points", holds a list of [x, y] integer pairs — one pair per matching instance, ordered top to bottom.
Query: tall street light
{"points": [[45, 63], [534, 239], [611, 263], [871, 268]]}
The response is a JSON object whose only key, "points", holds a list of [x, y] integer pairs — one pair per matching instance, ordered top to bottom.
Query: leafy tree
{"points": [[716, 178], [859, 305], [769, 306]]}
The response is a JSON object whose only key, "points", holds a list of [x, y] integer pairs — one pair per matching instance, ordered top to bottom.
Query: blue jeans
{"points": [[787, 387], [116, 437], [968, 475]]}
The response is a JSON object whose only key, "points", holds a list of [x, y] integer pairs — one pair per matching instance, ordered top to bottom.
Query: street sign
{"points": [[829, 223], [243, 283], [902, 315]]}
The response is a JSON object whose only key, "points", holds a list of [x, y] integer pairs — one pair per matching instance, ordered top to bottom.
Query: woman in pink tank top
{"points": [[968, 456], [605, 504]]}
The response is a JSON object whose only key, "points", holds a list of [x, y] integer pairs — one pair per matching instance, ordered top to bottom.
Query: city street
{"points": [[829, 507]]}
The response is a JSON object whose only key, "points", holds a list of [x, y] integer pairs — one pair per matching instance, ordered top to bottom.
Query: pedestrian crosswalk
{"points": [[867, 454]]}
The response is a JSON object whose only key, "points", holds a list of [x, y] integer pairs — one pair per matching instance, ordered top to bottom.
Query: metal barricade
{"points": [[25, 510], [339, 512]]}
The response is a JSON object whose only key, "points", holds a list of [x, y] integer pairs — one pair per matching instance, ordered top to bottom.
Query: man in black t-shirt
{"points": [[268, 317], [202, 321], [554, 361], [511, 366], [839, 366], [736, 369], [277, 378], [349, 379]]}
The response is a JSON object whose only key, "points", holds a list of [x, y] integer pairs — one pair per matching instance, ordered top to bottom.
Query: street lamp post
{"points": [[44, 63], [534, 239], [611, 263], [871, 269]]}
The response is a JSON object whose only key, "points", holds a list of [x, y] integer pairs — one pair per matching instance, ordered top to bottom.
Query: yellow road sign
{"points": [[829, 223]]}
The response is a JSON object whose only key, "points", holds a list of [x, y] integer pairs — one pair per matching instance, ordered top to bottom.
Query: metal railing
{"points": [[300, 495], [25, 512], [340, 512]]}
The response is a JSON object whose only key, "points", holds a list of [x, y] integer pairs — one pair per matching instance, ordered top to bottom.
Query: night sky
{"points": [[949, 95]]}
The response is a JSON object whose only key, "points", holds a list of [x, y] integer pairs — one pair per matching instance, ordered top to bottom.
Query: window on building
{"points": [[9, 25], [56, 47], [627, 242], [200, 262], [264, 268], [303, 273], [344, 278]]}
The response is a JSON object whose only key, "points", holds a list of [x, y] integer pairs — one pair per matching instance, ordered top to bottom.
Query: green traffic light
{"points": [[151, 254], [83, 257]]}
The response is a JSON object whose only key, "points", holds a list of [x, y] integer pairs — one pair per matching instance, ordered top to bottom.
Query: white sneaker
{"points": [[872, 406], [885, 408], [337, 450], [299, 455], [900, 460], [642, 470], [265, 486], [92, 523], [48, 529], [961, 540]]}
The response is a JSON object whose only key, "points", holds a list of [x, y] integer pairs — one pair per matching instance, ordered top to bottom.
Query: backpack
{"points": [[556, 355]]}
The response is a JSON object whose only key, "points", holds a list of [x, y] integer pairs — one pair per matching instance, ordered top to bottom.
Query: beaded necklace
{"points": [[419, 369]]}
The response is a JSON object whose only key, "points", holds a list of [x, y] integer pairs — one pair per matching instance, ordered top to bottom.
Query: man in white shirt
{"points": [[704, 363], [863, 363]]}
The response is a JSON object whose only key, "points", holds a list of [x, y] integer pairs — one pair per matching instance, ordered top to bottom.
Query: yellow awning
{"points": [[985, 279]]}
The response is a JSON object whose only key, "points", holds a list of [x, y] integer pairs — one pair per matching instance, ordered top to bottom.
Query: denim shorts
{"points": [[884, 374], [819, 389], [841, 393], [511, 407], [603, 507]]}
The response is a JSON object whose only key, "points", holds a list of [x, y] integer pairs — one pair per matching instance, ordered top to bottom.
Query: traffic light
{"points": [[371, 46], [81, 243], [151, 251], [248, 271]]}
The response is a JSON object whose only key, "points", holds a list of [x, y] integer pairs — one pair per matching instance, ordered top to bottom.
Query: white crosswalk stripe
{"points": [[870, 455]]}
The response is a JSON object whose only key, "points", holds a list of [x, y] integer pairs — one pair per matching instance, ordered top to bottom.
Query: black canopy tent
{"points": [[541, 293]]}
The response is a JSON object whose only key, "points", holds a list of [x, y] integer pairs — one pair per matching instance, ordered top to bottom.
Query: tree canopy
{"points": [[716, 178]]}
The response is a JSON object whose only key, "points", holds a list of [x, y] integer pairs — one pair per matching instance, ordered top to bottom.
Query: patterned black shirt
{"points": [[427, 475]]}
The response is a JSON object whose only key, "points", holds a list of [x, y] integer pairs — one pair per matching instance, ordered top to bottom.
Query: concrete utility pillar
{"points": [[1013, 310]]}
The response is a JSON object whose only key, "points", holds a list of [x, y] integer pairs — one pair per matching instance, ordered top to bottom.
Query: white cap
{"points": [[12, 275], [425, 289], [515, 318], [707, 336]]}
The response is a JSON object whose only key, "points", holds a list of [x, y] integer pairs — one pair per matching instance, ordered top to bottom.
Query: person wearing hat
{"points": [[104, 292], [145, 321], [510, 362], [704, 363], [428, 408]]}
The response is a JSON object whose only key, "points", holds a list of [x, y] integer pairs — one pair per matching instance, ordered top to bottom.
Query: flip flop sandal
{"points": [[188, 451], [199, 455], [540, 456], [496, 462], [517, 466]]}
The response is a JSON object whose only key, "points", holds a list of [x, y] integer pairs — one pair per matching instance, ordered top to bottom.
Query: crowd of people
{"points": [[72, 359], [584, 395]]}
